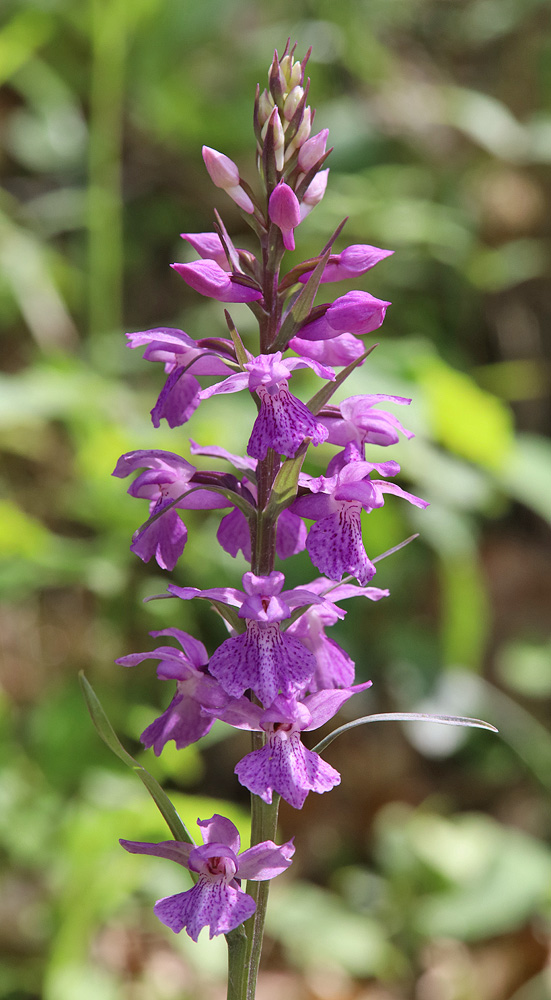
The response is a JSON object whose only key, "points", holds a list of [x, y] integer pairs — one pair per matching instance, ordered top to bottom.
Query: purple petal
{"points": [[208, 278], [339, 350], [178, 400], [282, 424], [233, 534], [290, 535], [165, 539], [336, 547], [193, 648], [264, 660], [183, 721], [285, 766], [220, 828], [174, 850], [265, 860], [215, 905]]}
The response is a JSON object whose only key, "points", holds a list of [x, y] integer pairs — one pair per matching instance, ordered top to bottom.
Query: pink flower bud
{"points": [[312, 150], [222, 171], [314, 193], [284, 211], [209, 279]]}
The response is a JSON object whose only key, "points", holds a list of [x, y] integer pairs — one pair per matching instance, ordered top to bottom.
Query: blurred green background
{"points": [[427, 874]]}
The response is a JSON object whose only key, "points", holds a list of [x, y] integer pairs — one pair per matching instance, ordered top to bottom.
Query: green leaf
{"points": [[302, 305], [237, 342], [465, 419], [284, 489], [444, 720], [164, 805]]}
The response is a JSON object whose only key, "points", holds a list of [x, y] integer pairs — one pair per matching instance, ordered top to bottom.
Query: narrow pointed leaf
{"points": [[301, 307], [238, 343], [284, 489], [443, 720], [177, 828]]}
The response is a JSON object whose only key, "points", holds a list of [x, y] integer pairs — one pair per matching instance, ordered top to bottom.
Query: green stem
{"points": [[263, 827], [244, 953]]}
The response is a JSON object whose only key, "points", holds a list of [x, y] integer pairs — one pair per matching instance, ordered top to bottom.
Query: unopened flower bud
{"points": [[286, 67], [297, 75], [292, 102], [265, 107], [301, 134], [312, 150], [224, 173], [314, 193], [284, 211]]}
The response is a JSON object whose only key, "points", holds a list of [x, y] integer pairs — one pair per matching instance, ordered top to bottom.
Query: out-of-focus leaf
{"points": [[464, 418]]}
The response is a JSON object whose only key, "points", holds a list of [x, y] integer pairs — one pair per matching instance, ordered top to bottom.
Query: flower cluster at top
{"points": [[278, 673]]}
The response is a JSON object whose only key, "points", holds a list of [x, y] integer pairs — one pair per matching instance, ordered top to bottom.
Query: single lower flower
{"points": [[184, 359], [167, 477], [335, 504], [334, 667], [189, 715], [284, 765], [217, 900]]}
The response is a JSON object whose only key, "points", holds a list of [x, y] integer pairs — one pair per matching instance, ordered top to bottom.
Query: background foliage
{"points": [[428, 872]]}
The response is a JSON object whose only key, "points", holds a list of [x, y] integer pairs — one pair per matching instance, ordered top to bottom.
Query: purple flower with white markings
{"points": [[179, 353], [357, 421], [283, 422], [167, 476], [335, 504], [263, 658], [334, 667], [189, 715], [284, 765], [217, 900]]}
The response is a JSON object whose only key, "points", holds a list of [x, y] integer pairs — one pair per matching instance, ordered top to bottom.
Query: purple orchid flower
{"points": [[352, 262], [209, 279], [356, 312], [178, 351], [283, 421], [356, 422], [167, 476], [335, 504], [263, 659], [334, 667], [189, 715], [284, 765], [217, 900]]}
